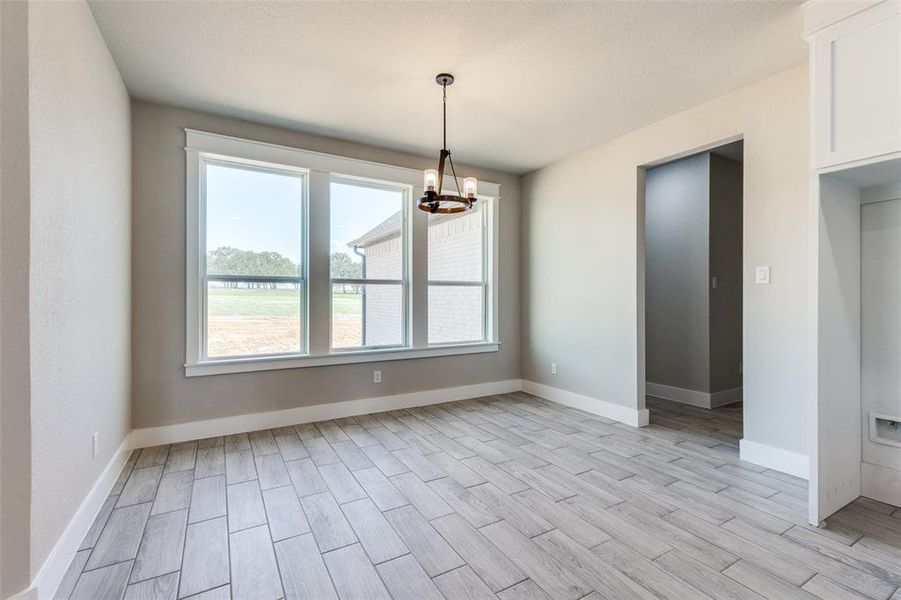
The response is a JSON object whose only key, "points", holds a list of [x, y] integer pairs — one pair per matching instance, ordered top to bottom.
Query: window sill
{"points": [[246, 365]]}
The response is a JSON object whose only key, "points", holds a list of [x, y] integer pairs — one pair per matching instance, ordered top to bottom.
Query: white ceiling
{"points": [[535, 81]]}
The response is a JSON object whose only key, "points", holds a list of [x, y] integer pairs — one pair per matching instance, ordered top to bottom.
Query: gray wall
{"points": [[693, 233], [725, 265], [80, 267], [677, 272], [583, 302], [15, 394], [162, 394]]}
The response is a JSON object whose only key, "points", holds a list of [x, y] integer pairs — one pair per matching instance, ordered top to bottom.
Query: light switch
{"points": [[762, 275]]}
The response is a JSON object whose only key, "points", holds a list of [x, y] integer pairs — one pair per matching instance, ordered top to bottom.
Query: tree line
{"points": [[227, 260]]}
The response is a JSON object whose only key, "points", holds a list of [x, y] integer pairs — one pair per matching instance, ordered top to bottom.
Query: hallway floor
{"points": [[508, 497]]}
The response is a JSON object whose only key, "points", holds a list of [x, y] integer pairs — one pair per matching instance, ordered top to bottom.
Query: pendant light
{"points": [[435, 201]]}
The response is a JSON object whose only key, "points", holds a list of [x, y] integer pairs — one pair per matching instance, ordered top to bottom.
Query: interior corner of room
{"points": [[248, 300]]}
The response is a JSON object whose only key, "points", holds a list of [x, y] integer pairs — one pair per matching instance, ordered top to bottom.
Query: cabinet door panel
{"points": [[858, 86]]}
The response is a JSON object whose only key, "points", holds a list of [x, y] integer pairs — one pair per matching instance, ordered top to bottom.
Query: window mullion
{"points": [[491, 268], [419, 274], [319, 315]]}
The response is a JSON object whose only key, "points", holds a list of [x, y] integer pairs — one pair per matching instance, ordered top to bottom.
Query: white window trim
{"points": [[319, 169]]}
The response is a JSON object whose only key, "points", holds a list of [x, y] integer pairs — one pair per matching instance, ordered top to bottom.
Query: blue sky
{"points": [[254, 210], [356, 210]]}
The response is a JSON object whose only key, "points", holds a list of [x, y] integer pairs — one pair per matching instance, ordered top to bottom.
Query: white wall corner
{"points": [[624, 414], [182, 432], [774, 458], [54, 568]]}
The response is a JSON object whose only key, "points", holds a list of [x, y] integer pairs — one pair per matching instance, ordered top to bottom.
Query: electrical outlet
{"points": [[714, 282], [553, 368], [377, 376], [95, 444]]}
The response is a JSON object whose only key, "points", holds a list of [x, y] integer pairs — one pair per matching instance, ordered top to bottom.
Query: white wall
{"points": [[580, 244], [80, 263], [880, 336], [836, 439]]}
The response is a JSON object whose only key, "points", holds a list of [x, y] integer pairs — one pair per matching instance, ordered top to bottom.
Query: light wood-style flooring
{"points": [[508, 497]]}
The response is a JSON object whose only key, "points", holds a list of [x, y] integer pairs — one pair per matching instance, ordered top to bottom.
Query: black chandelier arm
{"points": [[441, 159], [454, 173]]}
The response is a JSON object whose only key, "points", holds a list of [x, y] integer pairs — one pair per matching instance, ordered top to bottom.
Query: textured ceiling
{"points": [[535, 81]]}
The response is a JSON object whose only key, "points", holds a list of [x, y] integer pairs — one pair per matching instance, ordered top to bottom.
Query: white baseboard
{"points": [[694, 397], [725, 397], [617, 412], [181, 432], [774, 458], [880, 483], [54, 568], [30, 593]]}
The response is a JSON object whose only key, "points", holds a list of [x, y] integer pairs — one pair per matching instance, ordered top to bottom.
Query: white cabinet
{"points": [[856, 65]]}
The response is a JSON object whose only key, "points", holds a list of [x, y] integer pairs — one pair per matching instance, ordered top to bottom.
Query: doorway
{"points": [[693, 292]]}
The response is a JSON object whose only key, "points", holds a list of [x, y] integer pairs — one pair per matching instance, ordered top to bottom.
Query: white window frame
{"points": [[319, 169]]}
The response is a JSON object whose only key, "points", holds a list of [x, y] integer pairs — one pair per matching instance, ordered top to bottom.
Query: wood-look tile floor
{"points": [[507, 497]]}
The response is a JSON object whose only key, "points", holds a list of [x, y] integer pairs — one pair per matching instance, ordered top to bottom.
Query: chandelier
{"points": [[435, 201]]}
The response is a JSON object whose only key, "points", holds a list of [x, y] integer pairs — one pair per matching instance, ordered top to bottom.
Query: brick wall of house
{"points": [[455, 254], [384, 303]]}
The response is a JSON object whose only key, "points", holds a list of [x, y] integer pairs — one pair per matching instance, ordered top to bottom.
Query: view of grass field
{"points": [[243, 321]]}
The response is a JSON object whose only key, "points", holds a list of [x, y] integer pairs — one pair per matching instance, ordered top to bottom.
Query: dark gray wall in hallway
{"points": [[693, 232]]}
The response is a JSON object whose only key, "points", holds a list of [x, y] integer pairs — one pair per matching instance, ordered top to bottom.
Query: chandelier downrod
{"points": [[434, 201]]}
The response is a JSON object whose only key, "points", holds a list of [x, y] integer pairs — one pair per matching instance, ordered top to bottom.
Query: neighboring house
{"points": [[455, 254]]}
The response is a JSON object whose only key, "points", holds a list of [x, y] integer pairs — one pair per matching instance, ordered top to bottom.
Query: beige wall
{"points": [[80, 267], [581, 296], [161, 393], [15, 395]]}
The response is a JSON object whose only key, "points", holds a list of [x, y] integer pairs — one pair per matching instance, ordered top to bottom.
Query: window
{"points": [[296, 259], [368, 264], [254, 266], [457, 287]]}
